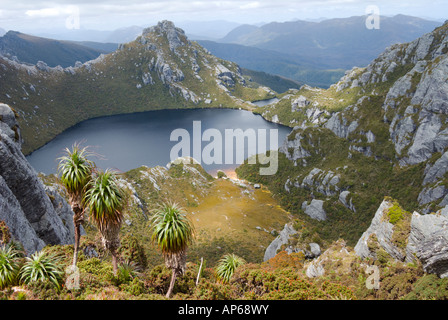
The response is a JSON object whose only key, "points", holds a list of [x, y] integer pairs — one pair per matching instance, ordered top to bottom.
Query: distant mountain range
{"points": [[334, 43], [312, 52], [316, 53], [275, 63]]}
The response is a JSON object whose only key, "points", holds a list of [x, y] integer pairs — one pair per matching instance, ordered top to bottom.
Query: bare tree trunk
{"points": [[78, 218], [76, 245], [114, 261], [199, 272], [173, 280]]}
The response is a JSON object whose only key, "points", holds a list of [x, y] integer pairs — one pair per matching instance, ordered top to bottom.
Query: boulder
{"points": [[343, 198], [315, 209], [281, 239]]}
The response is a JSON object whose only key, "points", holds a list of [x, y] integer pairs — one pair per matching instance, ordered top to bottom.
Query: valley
{"points": [[361, 179]]}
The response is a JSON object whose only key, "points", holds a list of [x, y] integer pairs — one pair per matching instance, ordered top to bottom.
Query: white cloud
{"points": [[250, 5], [43, 13]]}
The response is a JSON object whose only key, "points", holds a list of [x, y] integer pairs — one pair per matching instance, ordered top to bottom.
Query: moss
{"points": [[396, 213]]}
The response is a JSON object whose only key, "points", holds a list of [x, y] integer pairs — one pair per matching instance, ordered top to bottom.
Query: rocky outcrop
{"points": [[175, 36], [340, 126], [293, 149], [346, 201], [25, 204], [315, 209], [379, 234], [281, 239], [425, 241], [428, 242], [338, 257]]}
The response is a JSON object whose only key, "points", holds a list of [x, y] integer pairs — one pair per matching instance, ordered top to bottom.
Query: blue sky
{"points": [[112, 14]]}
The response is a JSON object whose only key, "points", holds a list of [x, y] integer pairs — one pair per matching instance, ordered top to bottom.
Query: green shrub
{"points": [[221, 174], [9, 266], [42, 266], [227, 266], [95, 272], [429, 287], [207, 290]]}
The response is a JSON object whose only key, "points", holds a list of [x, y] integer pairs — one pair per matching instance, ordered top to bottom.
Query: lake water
{"points": [[129, 141]]}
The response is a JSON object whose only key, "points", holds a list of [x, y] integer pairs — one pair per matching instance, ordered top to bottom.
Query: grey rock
{"points": [[175, 36], [300, 102], [9, 125], [340, 127], [401, 131], [370, 137], [423, 145], [298, 152], [437, 170], [20, 181], [428, 195], [348, 203], [315, 209], [12, 214], [383, 229], [424, 229], [281, 239], [315, 250], [433, 254], [315, 269]]}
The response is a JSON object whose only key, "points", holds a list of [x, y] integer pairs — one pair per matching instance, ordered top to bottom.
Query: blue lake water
{"points": [[131, 140]]}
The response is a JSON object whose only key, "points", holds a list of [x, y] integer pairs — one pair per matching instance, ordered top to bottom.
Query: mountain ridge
{"points": [[318, 39], [31, 49]]}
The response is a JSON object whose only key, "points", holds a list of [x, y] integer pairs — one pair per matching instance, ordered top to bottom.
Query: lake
{"points": [[131, 140]]}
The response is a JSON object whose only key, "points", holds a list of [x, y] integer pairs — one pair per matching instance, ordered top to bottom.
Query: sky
{"points": [[26, 15]]}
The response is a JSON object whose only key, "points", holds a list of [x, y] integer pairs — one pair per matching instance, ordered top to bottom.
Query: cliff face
{"points": [[25, 205]]}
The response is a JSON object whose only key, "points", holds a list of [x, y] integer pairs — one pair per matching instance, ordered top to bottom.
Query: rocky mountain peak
{"points": [[176, 36]]}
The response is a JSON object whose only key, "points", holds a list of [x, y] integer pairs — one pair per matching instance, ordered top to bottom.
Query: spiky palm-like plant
{"points": [[76, 171], [106, 200], [172, 231], [9, 265], [42, 266], [227, 266]]}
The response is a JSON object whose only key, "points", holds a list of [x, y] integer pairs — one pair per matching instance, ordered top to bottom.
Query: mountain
{"points": [[2, 32], [236, 35], [334, 43], [31, 49], [275, 63], [161, 69], [380, 131]]}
